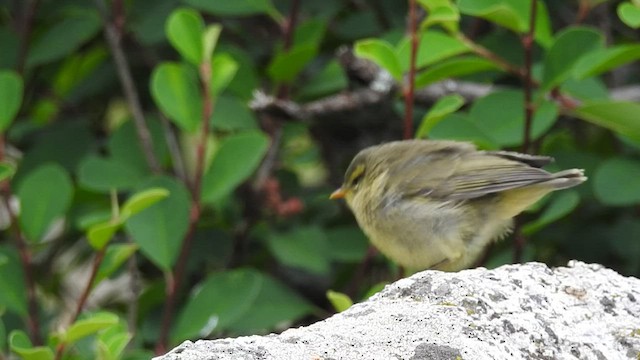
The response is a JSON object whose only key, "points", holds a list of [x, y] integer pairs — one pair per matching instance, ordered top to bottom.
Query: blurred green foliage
{"points": [[151, 194]]}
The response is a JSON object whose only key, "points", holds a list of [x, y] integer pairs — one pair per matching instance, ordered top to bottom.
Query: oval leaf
{"points": [[233, 8], [629, 13], [184, 29], [64, 38], [577, 41], [433, 47], [381, 53], [599, 61], [285, 66], [223, 69], [175, 89], [10, 97], [443, 107], [500, 115], [619, 116], [236, 159], [6, 171], [103, 175], [616, 182], [45, 194], [142, 200], [561, 204], [160, 229], [100, 234], [304, 248], [114, 257], [13, 295], [339, 301], [217, 302], [89, 326], [21, 345]]}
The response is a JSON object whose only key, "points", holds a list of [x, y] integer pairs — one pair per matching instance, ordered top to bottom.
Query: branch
{"points": [[128, 87], [408, 91]]}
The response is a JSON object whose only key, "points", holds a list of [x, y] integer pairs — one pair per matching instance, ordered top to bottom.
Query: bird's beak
{"points": [[338, 194]]}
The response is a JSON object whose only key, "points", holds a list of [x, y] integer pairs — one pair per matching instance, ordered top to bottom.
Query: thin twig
{"points": [[25, 32], [527, 45], [490, 55], [128, 87], [409, 88], [173, 147], [175, 280], [83, 297], [33, 323]]}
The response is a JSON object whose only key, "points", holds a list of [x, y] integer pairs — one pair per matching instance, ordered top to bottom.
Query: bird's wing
{"points": [[475, 175]]}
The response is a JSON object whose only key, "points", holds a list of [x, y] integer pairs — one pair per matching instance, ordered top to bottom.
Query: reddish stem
{"points": [[83, 297]]}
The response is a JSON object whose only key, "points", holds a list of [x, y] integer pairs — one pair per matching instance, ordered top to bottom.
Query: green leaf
{"points": [[235, 8], [440, 12], [629, 13], [512, 14], [184, 30], [311, 31], [63, 38], [210, 40], [577, 41], [433, 47], [381, 53], [602, 60], [285, 66], [456, 67], [223, 70], [331, 79], [175, 90], [10, 97], [443, 107], [232, 114], [500, 115], [619, 116], [462, 127], [123, 144], [237, 158], [6, 170], [103, 175], [615, 182], [45, 195], [142, 200], [561, 205], [160, 229], [100, 234], [347, 244], [303, 247], [114, 257], [13, 295], [339, 301], [217, 302], [274, 304], [88, 326], [3, 334], [112, 342], [20, 344]]}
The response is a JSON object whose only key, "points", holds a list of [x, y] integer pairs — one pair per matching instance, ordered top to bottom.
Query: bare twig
{"points": [[128, 86], [408, 91], [174, 149]]}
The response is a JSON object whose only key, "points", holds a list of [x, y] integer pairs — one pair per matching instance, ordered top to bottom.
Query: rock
{"points": [[524, 311]]}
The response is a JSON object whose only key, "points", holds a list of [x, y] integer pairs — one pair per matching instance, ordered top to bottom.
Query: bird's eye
{"points": [[356, 176]]}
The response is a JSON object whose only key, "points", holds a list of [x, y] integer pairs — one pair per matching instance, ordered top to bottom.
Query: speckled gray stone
{"points": [[525, 311]]}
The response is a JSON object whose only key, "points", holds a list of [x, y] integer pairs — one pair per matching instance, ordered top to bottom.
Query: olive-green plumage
{"points": [[438, 204]]}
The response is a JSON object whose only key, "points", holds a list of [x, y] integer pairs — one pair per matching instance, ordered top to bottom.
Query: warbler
{"points": [[430, 204]]}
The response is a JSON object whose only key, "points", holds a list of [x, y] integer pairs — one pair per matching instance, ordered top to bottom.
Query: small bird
{"points": [[430, 204]]}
